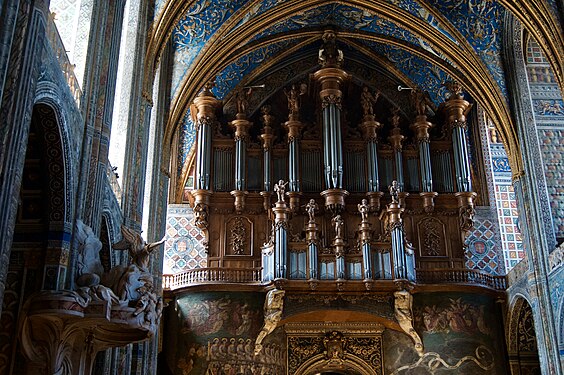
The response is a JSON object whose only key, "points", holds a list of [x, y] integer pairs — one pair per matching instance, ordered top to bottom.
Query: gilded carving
{"points": [[239, 236], [273, 306], [404, 315]]}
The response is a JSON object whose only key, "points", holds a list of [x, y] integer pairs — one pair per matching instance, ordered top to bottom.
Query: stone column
{"points": [[530, 187]]}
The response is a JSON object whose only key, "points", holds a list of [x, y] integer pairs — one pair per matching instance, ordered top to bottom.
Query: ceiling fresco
{"points": [[481, 27]]}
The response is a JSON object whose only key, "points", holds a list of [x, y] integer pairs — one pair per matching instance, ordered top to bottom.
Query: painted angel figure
{"points": [[280, 188], [139, 250]]}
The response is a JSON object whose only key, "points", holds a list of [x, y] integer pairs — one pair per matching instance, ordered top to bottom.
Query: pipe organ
{"points": [[365, 191]]}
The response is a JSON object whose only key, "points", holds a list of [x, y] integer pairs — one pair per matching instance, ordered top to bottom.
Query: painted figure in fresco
{"points": [[367, 101], [280, 188], [394, 190], [310, 209], [364, 209], [272, 314]]}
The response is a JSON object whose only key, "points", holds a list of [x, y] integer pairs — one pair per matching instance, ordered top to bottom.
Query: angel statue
{"points": [[293, 96], [242, 100], [367, 101], [422, 102], [280, 188], [394, 190], [310, 207], [364, 209], [338, 224], [139, 250]]}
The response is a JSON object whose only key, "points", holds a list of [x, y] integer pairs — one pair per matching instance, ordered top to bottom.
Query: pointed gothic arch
{"points": [[521, 339]]}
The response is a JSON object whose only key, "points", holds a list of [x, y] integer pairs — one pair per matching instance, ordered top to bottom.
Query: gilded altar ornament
{"points": [[273, 306], [403, 311]]}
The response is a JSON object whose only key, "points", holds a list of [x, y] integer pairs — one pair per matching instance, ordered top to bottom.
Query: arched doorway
{"points": [[39, 254], [522, 340]]}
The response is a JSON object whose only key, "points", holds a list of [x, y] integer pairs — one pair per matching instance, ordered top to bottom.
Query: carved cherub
{"points": [[329, 54], [280, 188], [394, 191], [310, 209], [364, 209], [139, 250]]}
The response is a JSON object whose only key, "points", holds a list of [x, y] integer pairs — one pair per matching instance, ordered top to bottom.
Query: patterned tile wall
{"points": [[548, 108], [506, 206], [511, 240], [483, 245], [183, 246]]}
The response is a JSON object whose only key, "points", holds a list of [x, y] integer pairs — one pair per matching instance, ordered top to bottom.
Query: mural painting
{"points": [[217, 333], [460, 333]]}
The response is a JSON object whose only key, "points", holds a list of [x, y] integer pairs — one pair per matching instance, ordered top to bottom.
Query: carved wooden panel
{"points": [[431, 234], [239, 236]]}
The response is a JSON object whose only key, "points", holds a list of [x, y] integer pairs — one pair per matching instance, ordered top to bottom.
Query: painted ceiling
{"points": [[419, 43]]}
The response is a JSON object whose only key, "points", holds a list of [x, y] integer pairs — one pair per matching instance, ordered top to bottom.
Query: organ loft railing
{"points": [[329, 196]]}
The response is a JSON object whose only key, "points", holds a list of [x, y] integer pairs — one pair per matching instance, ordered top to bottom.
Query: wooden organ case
{"points": [[329, 182]]}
